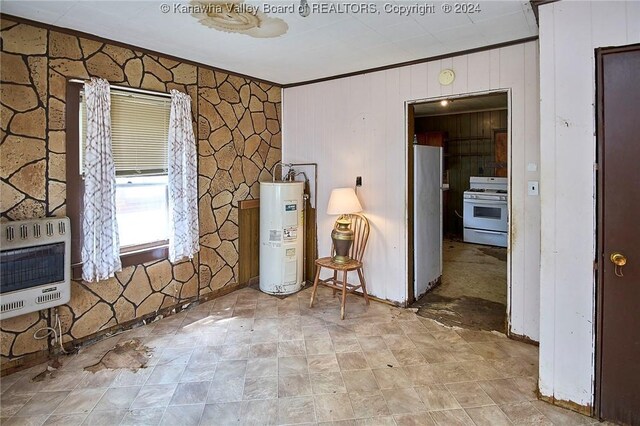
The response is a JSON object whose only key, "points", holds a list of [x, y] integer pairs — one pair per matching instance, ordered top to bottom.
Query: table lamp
{"points": [[343, 201]]}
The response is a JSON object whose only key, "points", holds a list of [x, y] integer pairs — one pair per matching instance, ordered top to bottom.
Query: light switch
{"points": [[532, 188]]}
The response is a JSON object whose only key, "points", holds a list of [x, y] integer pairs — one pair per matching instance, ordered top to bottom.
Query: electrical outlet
{"points": [[359, 181], [532, 188]]}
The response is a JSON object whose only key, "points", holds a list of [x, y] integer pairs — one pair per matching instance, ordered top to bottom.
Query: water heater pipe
{"points": [[315, 202]]}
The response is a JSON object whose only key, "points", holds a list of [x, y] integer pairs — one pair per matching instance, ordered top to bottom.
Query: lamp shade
{"points": [[343, 201]]}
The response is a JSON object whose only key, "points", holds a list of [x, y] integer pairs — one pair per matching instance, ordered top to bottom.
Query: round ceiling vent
{"points": [[234, 16]]}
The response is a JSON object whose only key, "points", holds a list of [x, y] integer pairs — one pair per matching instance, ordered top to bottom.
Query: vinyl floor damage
{"points": [[473, 291], [250, 358]]}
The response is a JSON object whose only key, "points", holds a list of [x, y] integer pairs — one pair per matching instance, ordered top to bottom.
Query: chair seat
{"points": [[327, 262], [338, 282]]}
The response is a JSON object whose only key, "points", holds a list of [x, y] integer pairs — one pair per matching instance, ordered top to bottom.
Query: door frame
{"points": [[409, 188], [599, 210]]}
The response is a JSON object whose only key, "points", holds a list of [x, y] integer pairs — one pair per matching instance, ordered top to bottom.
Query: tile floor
{"points": [[255, 359]]}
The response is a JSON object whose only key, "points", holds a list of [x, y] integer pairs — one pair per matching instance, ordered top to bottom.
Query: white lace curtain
{"points": [[183, 180], [100, 244]]}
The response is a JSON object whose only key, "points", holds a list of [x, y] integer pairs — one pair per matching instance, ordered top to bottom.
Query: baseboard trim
{"points": [[522, 338], [24, 362], [585, 410]]}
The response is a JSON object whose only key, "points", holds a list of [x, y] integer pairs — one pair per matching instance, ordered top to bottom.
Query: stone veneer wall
{"points": [[236, 121]]}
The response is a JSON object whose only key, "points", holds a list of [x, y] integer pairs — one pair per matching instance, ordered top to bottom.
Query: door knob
{"points": [[619, 260]]}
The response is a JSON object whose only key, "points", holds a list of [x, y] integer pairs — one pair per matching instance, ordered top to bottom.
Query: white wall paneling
{"points": [[569, 34], [355, 126]]}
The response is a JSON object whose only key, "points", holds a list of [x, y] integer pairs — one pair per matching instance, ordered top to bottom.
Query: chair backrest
{"points": [[360, 227]]}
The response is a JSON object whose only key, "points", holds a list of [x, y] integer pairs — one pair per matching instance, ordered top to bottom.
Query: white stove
{"points": [[485, 215]]}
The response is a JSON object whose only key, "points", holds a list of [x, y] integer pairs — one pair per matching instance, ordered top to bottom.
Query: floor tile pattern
{"points": [[250, 358]]}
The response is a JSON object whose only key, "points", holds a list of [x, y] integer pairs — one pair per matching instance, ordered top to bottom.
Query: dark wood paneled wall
{"points": [[469, 150], [248, 240]]}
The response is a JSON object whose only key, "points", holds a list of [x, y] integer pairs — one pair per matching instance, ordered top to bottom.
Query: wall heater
{"points": [[35, 265]]}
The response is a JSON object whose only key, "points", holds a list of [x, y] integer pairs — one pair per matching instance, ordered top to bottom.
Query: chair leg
{"points": [[335, 281], [315, 285], [364, 285], [344, 294]]}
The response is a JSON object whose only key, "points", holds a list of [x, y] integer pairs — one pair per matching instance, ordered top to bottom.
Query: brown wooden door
{"points": [[618, 339]]}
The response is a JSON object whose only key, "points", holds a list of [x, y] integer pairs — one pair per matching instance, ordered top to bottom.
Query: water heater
{"points": [[281, 236]]}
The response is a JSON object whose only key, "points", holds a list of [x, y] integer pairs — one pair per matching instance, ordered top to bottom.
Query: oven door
{"points": [[486, 214]]}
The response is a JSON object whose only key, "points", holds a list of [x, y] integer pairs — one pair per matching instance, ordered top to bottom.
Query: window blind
{"points": [[139, 132]]}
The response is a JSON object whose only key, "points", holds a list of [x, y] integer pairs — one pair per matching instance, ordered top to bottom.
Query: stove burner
{"points": [[477, 190], [501, 191]]}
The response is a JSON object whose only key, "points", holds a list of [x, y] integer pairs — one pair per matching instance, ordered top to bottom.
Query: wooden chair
{"points": [[360, 227]]}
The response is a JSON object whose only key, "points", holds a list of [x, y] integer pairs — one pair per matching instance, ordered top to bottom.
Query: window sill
{"points": [[139, 255], [133, 256]]}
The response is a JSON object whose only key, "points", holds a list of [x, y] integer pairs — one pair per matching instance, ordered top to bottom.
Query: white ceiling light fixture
{"points": [[234, 16], [446, 77], [444, 102]]}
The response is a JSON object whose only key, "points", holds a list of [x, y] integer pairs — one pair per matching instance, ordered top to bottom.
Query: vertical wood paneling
{"points": [[569, 33], [459, 64], [479, 67], [494, 69], [512, 75], [419, 83], [433, 86], [331, 112], [248, 240], [531, 316]]}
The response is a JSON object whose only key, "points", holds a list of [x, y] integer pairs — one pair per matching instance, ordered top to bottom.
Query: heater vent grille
{"points": [[35, 265], [50, 297], [12, 306]]}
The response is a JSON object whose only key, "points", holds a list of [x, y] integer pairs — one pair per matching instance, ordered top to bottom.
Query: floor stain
{"points": [[498, 253], [468, 312], [130, 354]]}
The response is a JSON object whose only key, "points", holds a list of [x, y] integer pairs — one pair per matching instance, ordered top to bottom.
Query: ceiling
{"points": [[318, 46], [488, 102]]}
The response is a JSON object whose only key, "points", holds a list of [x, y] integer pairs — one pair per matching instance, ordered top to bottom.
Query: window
{"points": [[139, 132], [142, 210]]}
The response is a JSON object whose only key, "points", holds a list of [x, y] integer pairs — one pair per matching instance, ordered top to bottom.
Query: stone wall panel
{"points": [[25, 40], [89, 47], [119, 54], [101, 64], [36, 66], [14, 69], [18, 98], [17, 151], [31, 179], [138, 288], [150, 304], [92, 321], [25, 343]]}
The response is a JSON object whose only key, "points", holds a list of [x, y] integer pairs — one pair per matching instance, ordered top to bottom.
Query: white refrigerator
{"points": [[427, 217]]}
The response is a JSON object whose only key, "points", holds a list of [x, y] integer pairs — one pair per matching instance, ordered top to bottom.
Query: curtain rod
{"points": [[128, 89]]}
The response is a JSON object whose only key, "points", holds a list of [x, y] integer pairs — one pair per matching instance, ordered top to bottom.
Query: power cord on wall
{"points": [[51, 331]]}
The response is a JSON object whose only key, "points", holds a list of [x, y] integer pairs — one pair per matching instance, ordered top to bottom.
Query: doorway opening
{"points": [[459, 209]]}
